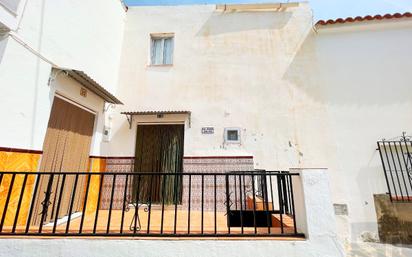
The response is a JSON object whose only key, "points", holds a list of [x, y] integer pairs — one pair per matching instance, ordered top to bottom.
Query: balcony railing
{"points": [[396, 157], [259, 203]]}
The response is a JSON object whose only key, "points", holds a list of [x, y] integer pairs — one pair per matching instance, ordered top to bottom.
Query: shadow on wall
{"points": [[221, 23], [367, 67], [303, 71]]}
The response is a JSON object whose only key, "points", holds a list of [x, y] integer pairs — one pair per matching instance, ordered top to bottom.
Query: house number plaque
{"points": [[208, 130]]}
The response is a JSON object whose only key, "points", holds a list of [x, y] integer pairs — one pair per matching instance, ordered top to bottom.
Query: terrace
{"points": [[234, 204]]}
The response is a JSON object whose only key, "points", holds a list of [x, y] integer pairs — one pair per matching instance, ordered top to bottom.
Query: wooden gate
{"points": [[66, 148]]}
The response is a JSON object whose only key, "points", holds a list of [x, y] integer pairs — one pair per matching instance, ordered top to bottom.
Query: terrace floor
{"points": [[155, 224]]}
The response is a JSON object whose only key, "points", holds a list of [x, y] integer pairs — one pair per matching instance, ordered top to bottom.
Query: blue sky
{"points": [[323, 9]]}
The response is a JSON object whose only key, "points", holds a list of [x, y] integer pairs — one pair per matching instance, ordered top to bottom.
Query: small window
{"points": [[161, 50], [232, 135]]}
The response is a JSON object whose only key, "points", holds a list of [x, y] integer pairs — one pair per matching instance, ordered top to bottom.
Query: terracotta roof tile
{"points": [[365, 18]]}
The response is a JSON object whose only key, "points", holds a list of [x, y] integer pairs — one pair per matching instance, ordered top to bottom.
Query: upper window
{"points": [[161, 50]]}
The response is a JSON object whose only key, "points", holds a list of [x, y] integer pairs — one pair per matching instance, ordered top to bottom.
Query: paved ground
{"points": [[378, 250]]}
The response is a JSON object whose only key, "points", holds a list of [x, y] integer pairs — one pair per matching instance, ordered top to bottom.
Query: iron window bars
{"points": [[396, 158]]}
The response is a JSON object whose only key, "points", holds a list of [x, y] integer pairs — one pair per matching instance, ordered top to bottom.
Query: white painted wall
{"points": [[85, 35], [3, 43], [229, 70], [365, 73], [302, 98], [25, 104], [165, 248], [182, 248]]}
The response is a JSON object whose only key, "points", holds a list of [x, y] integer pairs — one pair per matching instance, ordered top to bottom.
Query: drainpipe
{"points": [[13, 35]]}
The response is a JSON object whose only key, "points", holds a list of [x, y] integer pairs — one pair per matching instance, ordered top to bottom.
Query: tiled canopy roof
{"points": [[366, 18], [91, 84], [155, 112], [130, 114]]}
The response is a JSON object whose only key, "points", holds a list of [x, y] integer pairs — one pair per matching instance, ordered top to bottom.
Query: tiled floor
{"points": [[155, 222]]}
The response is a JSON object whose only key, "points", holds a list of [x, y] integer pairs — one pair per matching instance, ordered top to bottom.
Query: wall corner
{"points": [[314, 209]]}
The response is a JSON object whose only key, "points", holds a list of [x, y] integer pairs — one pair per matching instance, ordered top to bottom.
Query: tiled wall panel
{"points": [[17, 161]]}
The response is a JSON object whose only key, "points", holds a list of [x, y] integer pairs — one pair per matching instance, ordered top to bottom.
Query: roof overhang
{"points": [[256, 7], [91, 84], [154, 112], [130, 114]]}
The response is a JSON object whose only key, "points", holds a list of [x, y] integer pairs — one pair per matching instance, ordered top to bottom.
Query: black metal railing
{"points": [[396, 157], [259, 203]]}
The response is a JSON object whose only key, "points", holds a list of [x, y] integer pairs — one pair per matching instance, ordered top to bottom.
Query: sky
{"points": [[322, 9]]}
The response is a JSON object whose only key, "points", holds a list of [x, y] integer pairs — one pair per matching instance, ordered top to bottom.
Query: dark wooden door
{"points": [[159, 149]]}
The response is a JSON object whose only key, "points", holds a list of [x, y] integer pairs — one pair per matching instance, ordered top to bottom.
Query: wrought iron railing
{"points": [[396, 157], [259, 203]]}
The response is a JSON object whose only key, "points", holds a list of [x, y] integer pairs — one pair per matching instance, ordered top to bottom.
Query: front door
{"points": [[66, 148], [159, 149]]}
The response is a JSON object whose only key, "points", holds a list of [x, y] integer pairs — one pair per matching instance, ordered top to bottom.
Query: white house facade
{"points": [[216, 121]]}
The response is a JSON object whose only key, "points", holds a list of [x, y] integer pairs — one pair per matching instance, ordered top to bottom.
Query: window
{"points": [[161, 50], [232, 135]]}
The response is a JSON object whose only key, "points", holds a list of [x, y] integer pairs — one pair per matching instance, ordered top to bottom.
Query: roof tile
{"points": [[365, 18]]}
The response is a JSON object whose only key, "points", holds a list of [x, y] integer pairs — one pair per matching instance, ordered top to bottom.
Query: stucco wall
{"points": [[84, 35], [3, 42], [230, 70], [365, 73], [302, 97]]}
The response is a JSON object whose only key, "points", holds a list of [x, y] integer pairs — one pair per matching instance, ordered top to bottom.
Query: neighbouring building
{"points": [[227, 121]]}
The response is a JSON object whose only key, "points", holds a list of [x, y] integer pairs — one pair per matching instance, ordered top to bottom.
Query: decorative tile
{"points": [[17, 161], [97, 165], [190, 165], [213, 165], [116, 166]]}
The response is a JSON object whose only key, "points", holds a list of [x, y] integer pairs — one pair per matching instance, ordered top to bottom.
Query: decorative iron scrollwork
{"points": [[45, 203], [229, 205], [137, 226]]}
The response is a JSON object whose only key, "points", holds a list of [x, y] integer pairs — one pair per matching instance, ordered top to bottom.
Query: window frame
{"points": [[163, 37], [226, 137]]}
